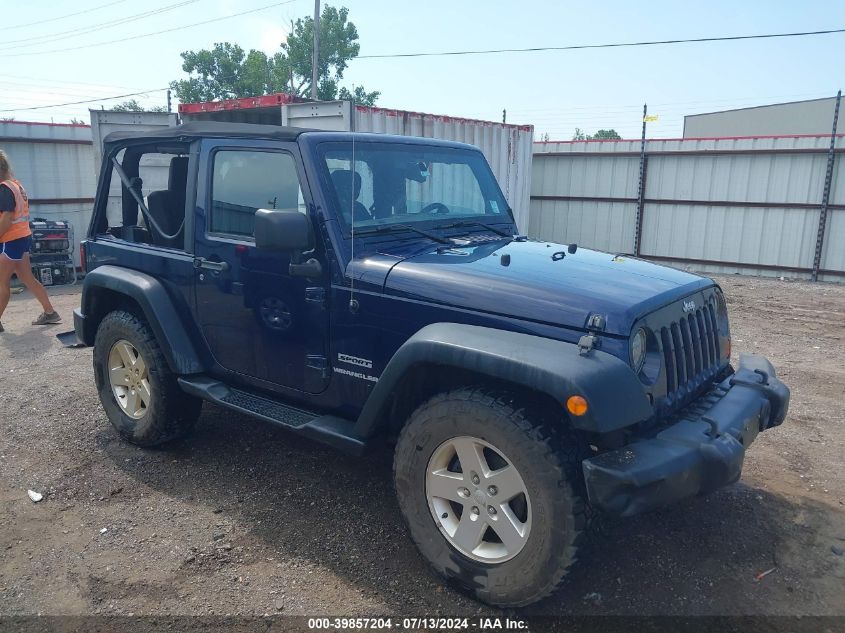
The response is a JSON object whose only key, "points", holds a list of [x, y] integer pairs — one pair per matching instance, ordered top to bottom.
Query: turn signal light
{"points": [[576, 405]]}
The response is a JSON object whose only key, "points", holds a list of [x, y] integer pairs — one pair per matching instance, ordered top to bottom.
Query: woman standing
{"points": [[15, 242]]}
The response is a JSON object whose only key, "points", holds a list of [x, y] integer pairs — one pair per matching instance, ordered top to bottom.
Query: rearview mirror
{"points": [[285, 230]]}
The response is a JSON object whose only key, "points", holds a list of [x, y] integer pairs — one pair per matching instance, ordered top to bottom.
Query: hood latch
{"points": [[595, 323], [586, 344]]}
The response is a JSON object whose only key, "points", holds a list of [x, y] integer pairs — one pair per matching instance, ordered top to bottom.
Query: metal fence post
{"points": [[828, 179], [638, 226]]}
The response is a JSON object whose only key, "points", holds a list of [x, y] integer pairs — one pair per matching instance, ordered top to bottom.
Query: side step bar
{"points": [[328, 429]]}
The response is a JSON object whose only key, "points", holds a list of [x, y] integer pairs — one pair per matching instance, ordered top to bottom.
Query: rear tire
{"points": [[138, 391], [546, 459]]}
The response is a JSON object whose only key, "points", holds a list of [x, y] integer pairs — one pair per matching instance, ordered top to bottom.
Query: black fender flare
{"points": [[157, 306], [614, 394]]}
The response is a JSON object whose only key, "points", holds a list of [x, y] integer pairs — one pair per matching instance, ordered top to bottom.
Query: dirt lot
{"points": [[244, 518]]}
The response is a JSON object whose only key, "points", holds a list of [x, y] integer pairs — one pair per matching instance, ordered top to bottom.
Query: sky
{"points": [[556, 91]]}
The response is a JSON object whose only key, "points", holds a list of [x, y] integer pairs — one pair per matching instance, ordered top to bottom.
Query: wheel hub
{"points": [[129, 379], [478, 499]]}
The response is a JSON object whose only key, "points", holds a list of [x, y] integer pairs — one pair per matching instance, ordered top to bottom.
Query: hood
{"points": [[542, 282]]}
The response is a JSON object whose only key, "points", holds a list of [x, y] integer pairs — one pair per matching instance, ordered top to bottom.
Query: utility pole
{"points": [[315, 57], [290, 67], [169, 102], [504, 116]]}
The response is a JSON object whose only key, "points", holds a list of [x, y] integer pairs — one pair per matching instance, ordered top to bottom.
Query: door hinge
{"points": [[316, 295], [317, 363]]}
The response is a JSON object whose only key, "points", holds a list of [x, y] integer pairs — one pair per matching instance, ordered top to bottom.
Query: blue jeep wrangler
{"points": [[368, 290]]}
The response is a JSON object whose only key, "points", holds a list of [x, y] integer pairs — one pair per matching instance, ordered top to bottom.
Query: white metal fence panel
{"points": [[749, 205], [606, 226], [752, 236], [833, 251]]}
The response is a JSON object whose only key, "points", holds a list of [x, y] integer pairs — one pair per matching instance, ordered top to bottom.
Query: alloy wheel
{"points": [[129, 379], [478, 499]]}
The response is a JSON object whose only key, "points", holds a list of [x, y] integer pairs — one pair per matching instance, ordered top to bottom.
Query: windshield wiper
{"points": [[477, 223], [391, 228]]}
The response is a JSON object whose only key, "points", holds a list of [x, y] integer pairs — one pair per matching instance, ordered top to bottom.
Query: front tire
{"points": [[138, 391], [490, 497]]}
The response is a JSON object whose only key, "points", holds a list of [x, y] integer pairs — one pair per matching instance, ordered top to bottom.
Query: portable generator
{"points": [[52, 252]]}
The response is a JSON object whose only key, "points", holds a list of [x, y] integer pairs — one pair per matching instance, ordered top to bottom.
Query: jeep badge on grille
{"points": [[689, 306]]}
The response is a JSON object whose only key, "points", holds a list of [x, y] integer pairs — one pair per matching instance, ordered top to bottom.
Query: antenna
{"points": [[353, 302]]}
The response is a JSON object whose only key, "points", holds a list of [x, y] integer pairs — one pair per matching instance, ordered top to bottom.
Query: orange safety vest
{"points": [[20, 217]]}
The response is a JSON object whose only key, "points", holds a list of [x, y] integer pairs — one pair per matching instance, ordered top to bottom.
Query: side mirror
{"points": [[285, 230]]}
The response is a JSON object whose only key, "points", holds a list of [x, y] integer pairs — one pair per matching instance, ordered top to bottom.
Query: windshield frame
{"points": [[436, 222]]}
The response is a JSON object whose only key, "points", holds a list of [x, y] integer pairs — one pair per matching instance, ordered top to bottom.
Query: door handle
{"points": [[201, 262]]}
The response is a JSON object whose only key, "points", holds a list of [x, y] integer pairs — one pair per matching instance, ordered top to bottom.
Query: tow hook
{"points": [[764, 380], [713, 431]]}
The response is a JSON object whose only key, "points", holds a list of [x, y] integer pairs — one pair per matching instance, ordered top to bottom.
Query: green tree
{"points": [[227, 71], [132, 105], [580, 135], [607, 135]]}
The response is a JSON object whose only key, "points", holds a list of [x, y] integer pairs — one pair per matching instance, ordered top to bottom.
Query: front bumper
{"points": [[702, 450]]}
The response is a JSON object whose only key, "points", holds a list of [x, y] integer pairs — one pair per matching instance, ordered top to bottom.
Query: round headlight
{"points": [[638, 349]]}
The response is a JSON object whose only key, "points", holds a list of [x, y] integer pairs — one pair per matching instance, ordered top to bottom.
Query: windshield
{"points": [[393, 183]]}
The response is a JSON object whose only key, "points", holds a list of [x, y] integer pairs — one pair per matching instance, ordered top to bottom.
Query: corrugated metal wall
{"points": [[56, 167], [748, 205]]}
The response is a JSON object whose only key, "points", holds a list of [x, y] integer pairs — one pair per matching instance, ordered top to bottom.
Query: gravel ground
{"points": [[244, 518]]}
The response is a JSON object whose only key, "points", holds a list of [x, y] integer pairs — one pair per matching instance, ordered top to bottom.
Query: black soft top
{"points": [[209, 129]]}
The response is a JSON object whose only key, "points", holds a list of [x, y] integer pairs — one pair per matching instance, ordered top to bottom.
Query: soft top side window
{"points": [[158, 177]]}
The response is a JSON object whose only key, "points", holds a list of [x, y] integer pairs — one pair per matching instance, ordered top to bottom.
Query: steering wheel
{"points": [[435, 208]]}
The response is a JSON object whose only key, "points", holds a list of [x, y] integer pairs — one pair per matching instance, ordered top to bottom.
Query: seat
{"points": [[341, 179], [167, 207]]}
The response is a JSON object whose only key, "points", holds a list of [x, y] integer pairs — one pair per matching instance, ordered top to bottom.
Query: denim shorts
{"points": [[16, 249]]}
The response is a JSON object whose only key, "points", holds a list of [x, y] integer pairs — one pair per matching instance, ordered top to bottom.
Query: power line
{"points": [[62, 17], [137, 37], [729, 38], [37, 40], [53, 82], [12, 90], [58, 105]]}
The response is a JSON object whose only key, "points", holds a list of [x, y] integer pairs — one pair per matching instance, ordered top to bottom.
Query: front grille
{"points": [[690, 351]]}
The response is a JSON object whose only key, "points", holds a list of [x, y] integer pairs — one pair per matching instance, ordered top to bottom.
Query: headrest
{"points": [[178, 176], [342, 178]]}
